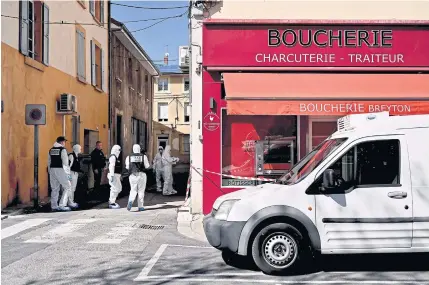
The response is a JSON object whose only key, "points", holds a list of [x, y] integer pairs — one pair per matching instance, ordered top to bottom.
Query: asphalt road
{"points": [[103, 246]]}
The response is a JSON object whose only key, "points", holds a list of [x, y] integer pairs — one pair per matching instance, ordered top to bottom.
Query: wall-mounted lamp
{"points": [[212, 103]]}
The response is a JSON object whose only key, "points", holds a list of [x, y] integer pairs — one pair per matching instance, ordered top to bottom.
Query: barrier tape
{"points": [[235, 176], [188, 186]]}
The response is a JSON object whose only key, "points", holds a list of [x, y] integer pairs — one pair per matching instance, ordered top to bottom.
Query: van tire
{"points": [[278, 249]]}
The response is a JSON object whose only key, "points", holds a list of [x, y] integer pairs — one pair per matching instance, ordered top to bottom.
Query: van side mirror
{"points": [[328, 179]]}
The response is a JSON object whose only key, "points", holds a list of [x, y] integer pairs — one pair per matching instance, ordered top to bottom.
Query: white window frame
{"points": [[186, 78], [168, 85], [160, 104]]}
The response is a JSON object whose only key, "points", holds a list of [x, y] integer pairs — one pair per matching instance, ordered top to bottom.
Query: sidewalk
{"points": [[190, 225]]}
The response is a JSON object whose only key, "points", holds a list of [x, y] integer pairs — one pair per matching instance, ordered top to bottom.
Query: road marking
{"points": [[22, 226], [61, 231], [116, 235], [191, 246], [151, 262], [203, 278]]}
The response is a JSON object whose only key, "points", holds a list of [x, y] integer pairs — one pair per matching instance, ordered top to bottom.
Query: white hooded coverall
{"points": [[167, 162], [157, 165], [74, 175], [59, 177], [114, 178], [137, 180]]}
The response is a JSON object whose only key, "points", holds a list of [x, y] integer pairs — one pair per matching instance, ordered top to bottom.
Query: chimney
{"points": [[166, 58]]}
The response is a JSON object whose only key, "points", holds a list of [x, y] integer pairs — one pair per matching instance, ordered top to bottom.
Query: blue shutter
{"points": [[45, 34], [23, 37]]}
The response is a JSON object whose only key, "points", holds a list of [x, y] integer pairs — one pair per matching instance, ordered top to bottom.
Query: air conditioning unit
{"points": [[184, 56], [67, 104]]}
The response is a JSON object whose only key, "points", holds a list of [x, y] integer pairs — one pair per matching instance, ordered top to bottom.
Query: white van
{"points": [[365, 189]]}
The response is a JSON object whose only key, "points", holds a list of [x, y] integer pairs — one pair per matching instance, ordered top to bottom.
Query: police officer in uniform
{"points": [[137, 164], [75, 170], [59, 175], [114, 176]]}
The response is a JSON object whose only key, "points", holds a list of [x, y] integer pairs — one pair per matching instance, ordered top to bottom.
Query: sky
{"points": [[162, 37]]}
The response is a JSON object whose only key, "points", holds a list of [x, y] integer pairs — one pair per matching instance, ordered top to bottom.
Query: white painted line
{"points": [[18, 217], [22, 226], [61, 231], [115, 236], [191, 246], [151, 262], [203, 278]]}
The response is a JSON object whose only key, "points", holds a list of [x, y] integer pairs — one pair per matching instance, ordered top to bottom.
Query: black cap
{"points": [[61, 139]]}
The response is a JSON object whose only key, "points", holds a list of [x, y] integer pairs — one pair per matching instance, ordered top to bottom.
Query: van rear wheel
{"points": [[276, 249]]}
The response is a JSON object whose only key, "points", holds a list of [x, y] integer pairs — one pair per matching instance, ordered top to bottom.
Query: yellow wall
{"points": [[23, 84], [176, 97]]}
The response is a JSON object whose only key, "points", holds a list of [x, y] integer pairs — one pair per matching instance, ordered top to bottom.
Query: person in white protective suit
{"points": [[137, 164], [157, 168], [75, 169], [167, 169], [59, 175], [114, 176]]}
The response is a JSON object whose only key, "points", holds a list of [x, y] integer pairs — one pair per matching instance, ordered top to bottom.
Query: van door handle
{"points": [[397, 195]]}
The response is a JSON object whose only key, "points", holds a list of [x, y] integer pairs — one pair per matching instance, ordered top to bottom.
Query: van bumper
{"points": [[222, 234]]}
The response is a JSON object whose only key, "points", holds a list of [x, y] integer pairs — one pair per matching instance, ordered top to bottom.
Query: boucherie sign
{"points": [[333, 46]]}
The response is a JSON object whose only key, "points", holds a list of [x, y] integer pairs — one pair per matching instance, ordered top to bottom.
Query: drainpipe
{"points": [[109, 35], [190, 91]]}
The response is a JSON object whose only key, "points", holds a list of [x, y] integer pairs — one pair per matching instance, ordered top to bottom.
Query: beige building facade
{"points": [[205, 76], [171, 114]]}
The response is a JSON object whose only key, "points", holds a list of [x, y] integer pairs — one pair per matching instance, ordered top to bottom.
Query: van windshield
{"points": [[306, 165]]}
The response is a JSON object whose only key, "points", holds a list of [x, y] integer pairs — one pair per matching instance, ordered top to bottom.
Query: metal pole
{"points": [[36, 166]]}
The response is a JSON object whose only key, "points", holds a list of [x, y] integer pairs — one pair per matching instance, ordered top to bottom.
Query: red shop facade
{"points": [[272, 91]]}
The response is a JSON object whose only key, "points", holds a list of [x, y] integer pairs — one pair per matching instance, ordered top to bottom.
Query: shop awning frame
{"points": [[325, 94]]}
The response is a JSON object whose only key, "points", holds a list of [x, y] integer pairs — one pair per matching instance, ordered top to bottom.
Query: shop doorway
{"points": [[319, 129], [162, 141]]}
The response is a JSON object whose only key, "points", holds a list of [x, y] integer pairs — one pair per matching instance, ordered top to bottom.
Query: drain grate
{"points": [[148, 227]]}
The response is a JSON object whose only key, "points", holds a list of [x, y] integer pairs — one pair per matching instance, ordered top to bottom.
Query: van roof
{"points": [[361, 125]]}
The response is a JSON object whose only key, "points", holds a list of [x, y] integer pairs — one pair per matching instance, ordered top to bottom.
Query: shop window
{"points": [[320, 131], [245, 138]]}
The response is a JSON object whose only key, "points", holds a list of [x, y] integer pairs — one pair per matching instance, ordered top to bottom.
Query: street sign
{"points": [[35, 114]]}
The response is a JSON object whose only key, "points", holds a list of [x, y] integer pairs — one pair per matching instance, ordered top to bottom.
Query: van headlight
{"points": [[224, 209]]}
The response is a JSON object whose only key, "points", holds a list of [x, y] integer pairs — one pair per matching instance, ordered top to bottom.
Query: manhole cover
{"points": [[148, 227]]}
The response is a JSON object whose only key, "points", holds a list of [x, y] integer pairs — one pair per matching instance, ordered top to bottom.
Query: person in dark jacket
{"points": [[98, 161]]}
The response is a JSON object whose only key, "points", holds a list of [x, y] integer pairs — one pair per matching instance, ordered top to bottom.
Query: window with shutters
{"points": [[96, 8], [34, 30], [80, 53], [97, 66], [139, 80], [186, 84], [163, 112], [186, 112]]}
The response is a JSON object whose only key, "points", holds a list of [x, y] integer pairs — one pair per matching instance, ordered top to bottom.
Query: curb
{"points": [[12, 213], [189, 226]]}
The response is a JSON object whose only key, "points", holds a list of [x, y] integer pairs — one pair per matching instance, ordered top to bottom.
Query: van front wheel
{"points": [[276, 248]]}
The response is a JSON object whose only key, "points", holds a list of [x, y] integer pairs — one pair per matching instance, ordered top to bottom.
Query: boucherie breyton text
{"points": [[330, 38]]}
